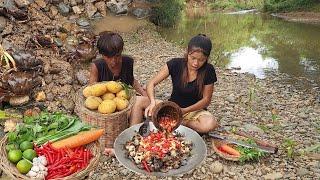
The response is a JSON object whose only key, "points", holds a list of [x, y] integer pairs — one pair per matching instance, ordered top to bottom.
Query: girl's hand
{"points": [[149, 110]]}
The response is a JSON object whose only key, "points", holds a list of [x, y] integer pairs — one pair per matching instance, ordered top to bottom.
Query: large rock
{"points": [[118, 7]]}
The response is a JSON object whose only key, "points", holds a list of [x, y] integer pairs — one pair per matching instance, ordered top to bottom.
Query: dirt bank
{"points": [[304, 17]]}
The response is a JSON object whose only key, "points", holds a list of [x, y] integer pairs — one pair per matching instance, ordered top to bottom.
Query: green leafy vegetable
{"points": [[46, 127], [248, 154]]}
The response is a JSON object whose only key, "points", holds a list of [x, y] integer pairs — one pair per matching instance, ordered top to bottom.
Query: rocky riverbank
{"points": [[240, 101], [271, 109]]}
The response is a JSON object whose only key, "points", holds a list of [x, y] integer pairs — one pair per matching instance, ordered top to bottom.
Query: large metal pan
{"points": [[199, 151]]}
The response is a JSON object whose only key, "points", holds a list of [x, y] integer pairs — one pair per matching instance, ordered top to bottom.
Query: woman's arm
{"points": [[93, 74], [162, 74], [137, 86], [204, 102]]}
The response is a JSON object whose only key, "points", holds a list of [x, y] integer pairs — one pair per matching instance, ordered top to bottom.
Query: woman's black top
{"points": [[126, 74], [188, 95]]}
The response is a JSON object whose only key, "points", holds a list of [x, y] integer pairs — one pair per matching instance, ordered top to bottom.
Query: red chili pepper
{"points": [[145, 165]]}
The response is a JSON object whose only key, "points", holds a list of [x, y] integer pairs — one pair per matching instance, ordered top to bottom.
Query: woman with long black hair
{"points": [[193, 79]]}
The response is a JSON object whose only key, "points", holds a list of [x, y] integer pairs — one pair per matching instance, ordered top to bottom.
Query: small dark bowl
{"points": [[167, 109]]}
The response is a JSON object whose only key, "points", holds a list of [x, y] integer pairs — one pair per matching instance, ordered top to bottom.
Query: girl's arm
{"points": [[93, 74], [162, 74], [137, 86], [204, 102]]}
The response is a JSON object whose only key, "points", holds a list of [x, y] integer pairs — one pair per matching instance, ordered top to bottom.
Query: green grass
{"points": [[236, 4], [266, 5], [288, 5], [315, 8], [167, 12]]}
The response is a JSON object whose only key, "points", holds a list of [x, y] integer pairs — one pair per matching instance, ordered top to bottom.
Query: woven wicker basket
{"points": [[113, 123], [215, 144], [10, 169]]}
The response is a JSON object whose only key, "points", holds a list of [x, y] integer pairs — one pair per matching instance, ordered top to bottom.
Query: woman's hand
{"points": [[149, 110], [184, 111]]}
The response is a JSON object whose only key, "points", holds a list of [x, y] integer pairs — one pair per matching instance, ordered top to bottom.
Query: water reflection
{"points": [[255, 42], [250, 60]]}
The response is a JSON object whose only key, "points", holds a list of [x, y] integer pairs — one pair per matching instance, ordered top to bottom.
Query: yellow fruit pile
{"points": [[106, 97]]}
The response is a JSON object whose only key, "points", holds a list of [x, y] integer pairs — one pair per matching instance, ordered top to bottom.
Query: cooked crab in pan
{"points": [[159, 151]]}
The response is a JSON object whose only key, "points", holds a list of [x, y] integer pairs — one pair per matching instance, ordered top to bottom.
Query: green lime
{"points": [[26, 145], [11, 147], [29, 154], [14, 155], [24, 166]]}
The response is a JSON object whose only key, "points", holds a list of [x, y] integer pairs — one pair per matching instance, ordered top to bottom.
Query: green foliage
{"points": [[236, 4], [267, 5], [287, 5], [167, 12], [46, 126], [289, 146], [248, 154]]}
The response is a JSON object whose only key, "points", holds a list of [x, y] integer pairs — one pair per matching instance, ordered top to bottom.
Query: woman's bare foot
{"points": [[108, 152]]}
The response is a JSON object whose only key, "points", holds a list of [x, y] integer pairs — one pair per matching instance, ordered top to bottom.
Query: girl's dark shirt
{"points": [[126, 74], [188, 95]]}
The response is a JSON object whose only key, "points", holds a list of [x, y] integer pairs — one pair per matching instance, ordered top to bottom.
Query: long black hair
{"points": [[199, 43]]}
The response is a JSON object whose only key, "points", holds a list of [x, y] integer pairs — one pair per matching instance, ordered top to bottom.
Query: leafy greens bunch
{"points": [[46, 127]]}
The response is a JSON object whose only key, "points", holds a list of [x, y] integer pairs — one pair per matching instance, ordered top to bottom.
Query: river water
{"points": [[254, 43]]}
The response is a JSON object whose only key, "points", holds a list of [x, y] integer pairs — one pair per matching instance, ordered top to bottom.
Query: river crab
{"points": [[16, 86]]}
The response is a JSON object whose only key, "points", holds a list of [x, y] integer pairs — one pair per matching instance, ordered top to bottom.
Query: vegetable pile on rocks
{"points": [[107, 97], [49, 146]]}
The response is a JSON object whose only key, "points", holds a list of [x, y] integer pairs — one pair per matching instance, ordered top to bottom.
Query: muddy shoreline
{"points": [[302, 17], [239, 100]]}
